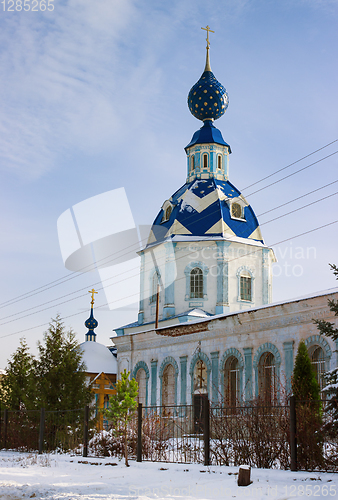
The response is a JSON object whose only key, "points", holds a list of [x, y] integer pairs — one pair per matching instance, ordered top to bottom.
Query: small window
{"points": [[205, 161], [219, 161], [192, 162], [236, 211], [167, 213], [196, 283], [246, 288], [317, 357], [267, 378], [231, 381]]}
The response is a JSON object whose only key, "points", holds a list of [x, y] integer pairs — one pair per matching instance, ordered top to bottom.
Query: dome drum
{"points": [[205, 161]]}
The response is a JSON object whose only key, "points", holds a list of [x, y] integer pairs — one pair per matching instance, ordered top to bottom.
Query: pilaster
{"points": [[170, 275], [142, 277], [222, 304], [288, 359], [183, 362], [248, 373], [214, 376], [153, 382]]}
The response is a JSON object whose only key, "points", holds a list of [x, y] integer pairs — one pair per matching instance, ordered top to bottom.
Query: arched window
{"points": [[205, 161], [219, 161], [192, 162], [167, 213], [154, 283], [196, 283], [245, 286], [317, 357], [267, 377], [141, 380], [231, 381], [168, 386]]}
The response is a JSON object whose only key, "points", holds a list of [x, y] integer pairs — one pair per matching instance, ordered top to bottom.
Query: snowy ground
{"points": [[65, 477]]}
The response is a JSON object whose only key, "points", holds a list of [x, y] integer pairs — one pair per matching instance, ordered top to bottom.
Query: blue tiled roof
{"points": [[208, 134], [197, 217]]}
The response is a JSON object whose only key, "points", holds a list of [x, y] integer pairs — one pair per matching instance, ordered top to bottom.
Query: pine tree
{"points": [[60, 371], [304, 382], [17, 390], [122, 406]]}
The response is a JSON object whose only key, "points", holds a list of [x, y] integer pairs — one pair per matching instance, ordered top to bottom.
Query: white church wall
{"points": [[247, 335]]}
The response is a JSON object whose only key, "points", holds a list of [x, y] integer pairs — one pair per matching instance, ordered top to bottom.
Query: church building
{"points": [[205, 324]]}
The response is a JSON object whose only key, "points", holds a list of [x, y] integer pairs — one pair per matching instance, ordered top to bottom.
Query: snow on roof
{"points": [[98, 358]]}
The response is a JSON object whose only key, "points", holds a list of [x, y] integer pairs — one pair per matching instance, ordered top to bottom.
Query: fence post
{"points": [[5, 427], [41, 430], [206, 430], [85, 431], [293, 431], [139, 433]]}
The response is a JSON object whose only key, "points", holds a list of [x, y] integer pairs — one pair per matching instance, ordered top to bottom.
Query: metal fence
{"points": [[42, 430], [300, 435]]}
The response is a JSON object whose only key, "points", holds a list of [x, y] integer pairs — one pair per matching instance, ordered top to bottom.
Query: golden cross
{"points": [[207, 29], [92, 291]]}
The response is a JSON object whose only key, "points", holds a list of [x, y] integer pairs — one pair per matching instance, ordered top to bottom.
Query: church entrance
{"points": [[199, 396], [199, 406]]}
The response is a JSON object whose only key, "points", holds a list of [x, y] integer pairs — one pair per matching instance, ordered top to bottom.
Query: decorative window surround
{"points": [[167, 208], [187, 272], [241, 272], [267, 347], [229, 353], [169, 360], [142, 365]]}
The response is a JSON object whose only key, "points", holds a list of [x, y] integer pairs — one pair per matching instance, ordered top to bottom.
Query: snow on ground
{"points": [[66, 477]]}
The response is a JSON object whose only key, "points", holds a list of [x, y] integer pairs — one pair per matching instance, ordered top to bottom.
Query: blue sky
{"points": [[93, 98]]}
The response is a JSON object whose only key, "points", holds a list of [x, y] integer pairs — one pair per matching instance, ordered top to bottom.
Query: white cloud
{"points": [[53, 78]]}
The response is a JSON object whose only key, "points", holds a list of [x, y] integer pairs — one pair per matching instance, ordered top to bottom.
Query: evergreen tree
{"points": [[325, 327], [331, 378], [61, 381], [304, 382], [17, 390], [331, 390], [122, 406], [309, 412]]}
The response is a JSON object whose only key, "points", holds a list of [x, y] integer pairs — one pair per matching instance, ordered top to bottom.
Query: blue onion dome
{"points": [[208, 99], [91, 322]]}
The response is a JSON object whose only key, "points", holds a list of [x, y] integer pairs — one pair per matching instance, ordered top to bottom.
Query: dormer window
{"points": [[205, 161], [219, 161], [192, 162], [167, 209], [236, 211]]}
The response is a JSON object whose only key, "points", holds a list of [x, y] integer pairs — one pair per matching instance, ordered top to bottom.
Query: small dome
{"points": [[208, 99], [91, 322], [98, 358]]}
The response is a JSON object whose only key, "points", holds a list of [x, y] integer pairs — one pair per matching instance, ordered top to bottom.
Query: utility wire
{"points": [[290, 165], [93, 266], [137, 268], [135, 294], [132, 295]]}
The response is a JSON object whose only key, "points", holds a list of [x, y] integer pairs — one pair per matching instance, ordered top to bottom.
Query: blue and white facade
{"points": [[205, 248], [218, 332]]}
